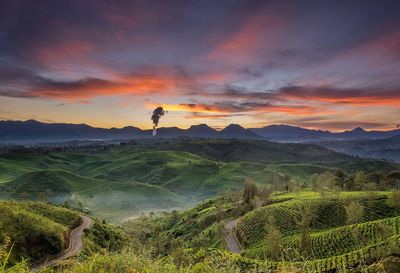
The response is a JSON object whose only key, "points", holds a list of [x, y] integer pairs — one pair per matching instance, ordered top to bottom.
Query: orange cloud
{"points": [[92, 87], [229, 108]]}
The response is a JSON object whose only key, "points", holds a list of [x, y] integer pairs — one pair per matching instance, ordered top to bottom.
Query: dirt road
{"points": [[230, 237], [75, 245]]}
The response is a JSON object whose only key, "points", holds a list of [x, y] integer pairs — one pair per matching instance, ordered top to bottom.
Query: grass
{"points": [[35, 229], [193, 240]]}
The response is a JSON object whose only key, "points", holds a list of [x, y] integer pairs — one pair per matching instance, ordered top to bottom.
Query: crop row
{"points": [[327, 214], [333, 242], [354, 261]]}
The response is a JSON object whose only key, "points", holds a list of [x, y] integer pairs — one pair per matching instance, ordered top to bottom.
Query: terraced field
{"points": [[333, 244]]}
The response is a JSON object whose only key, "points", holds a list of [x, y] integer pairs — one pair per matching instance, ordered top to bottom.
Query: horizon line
{"points": [[213, 127]]}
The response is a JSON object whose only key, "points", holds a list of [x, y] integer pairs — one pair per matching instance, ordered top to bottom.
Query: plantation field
{"points": [[126, 180], [334, 244]]}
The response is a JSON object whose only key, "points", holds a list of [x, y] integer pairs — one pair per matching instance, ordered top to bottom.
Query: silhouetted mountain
{"points": [[201, 130], [34, 131], [237, 131], [164, 132], [289, 133], [296, 134]]}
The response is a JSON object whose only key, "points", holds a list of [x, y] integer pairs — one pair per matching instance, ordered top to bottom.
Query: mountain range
{"points": [[35, 131]]}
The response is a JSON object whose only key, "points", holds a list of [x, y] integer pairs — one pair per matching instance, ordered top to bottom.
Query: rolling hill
{"points": [[124, 180], [368, 245]]}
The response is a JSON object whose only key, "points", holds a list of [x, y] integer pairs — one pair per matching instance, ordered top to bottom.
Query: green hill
{"points": [[256, 151], [128, 179], [54, 181], [111, 200], [36, 229], [194, 240], [334, 245]]}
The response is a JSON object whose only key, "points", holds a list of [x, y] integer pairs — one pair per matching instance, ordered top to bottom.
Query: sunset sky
{"points": [[317, 64]]}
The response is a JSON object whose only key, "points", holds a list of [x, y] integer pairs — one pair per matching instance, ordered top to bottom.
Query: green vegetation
{"points": [[121, 182], [300, 209], [35, 229], [313, 235]]}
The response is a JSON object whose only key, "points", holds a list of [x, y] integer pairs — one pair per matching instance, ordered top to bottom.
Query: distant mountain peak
{"points": [[32, 121], [203, 125], [234, 126], [358, 129], [201, 130], [236, 130]]}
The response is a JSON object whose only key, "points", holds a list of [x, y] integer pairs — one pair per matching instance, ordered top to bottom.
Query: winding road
{"points": [[230, 237], [232, 241], [75, 245]]}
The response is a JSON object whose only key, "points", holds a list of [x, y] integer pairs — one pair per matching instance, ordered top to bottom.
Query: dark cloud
{"points": [[24, 83], [359, 96], [362, 96], [226, 107]]}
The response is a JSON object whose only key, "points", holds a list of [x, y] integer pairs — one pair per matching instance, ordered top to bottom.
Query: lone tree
{"points": [[360, 179], [393, 180], [327, 183], [294, 186], [250, 190], [264, 192], [394, 200], [354, 212], [304, 227], [273, 239]]}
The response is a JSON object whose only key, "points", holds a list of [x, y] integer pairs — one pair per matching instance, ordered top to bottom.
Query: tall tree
{"points": [[250, 190], [394, 199], [354, 212], [304, 227], [273, 239]]}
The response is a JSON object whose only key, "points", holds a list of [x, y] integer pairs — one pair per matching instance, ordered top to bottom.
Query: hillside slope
{"points": [[255, 151], [121, 181], [36, 229]]}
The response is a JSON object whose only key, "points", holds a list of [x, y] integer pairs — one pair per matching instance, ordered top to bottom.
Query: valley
{"points": [[123, 181], [256, 205]]}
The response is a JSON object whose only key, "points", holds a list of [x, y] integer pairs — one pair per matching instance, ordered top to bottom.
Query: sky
{"points": [[332, 65]]}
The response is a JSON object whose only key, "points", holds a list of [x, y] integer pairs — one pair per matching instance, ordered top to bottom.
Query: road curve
{"points": [[230, 237], [75, 244]]}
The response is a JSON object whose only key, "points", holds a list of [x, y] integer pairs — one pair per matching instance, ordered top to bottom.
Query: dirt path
{"points": [[230, 237], [75, 245]]}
